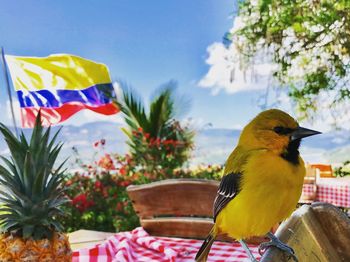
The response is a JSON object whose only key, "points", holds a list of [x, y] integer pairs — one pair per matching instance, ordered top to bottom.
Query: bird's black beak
{"points": [[302, 132]]}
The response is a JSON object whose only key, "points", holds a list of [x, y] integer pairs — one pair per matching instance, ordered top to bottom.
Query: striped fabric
{"points": [[60, 85], [137, 245]]}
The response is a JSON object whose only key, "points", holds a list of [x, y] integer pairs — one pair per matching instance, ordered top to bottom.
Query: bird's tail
{"points": [[203, 252]]}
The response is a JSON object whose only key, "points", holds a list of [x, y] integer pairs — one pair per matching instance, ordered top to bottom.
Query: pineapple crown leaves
{"points": [[33, 192]]}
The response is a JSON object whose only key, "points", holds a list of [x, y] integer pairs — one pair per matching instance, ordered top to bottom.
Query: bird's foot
{"points": [[275, 242]]}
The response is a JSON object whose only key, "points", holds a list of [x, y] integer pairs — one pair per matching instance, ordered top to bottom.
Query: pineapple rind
{"points": [[17, 249]]}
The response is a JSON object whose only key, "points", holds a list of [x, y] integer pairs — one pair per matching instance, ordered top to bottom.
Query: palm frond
{"points": [[131, 105], [161, 112]]}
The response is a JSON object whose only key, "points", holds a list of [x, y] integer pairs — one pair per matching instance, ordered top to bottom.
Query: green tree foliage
{"points": [[309, 41], [158, 142]]}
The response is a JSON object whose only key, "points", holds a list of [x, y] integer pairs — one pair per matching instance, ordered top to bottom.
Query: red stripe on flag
{"points": [[52, 116]]}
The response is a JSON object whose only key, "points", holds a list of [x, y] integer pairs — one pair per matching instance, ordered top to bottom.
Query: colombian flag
{"points": [[60, 85]]}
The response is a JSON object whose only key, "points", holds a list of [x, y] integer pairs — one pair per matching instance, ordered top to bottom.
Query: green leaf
{"points": [[298, 28]]}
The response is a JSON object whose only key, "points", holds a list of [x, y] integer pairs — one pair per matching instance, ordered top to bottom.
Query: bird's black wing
{"points": [[229, 187]]}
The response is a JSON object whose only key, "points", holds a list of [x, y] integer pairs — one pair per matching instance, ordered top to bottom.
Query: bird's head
{"points": [[276, 131]]}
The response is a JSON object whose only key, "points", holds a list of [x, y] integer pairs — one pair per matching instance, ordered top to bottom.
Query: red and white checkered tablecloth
{"points": [[330, 190], [137, 245]]}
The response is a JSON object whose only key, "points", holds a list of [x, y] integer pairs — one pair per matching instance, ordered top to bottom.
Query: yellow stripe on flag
{"points": [[55, 72]]}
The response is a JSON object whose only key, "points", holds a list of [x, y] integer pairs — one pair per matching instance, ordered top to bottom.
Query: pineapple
{"points": [[31, 197]]}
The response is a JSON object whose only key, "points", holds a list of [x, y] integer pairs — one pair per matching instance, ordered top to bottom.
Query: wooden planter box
{"points": [[178, 208]]}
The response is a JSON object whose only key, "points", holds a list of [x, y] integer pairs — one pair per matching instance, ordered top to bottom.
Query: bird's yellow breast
{"points": [[269, 192]]}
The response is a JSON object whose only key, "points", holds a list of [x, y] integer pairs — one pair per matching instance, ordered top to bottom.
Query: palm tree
{"points": [[158, 142]]}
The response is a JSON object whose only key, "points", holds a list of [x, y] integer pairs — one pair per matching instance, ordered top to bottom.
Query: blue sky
{"points": [[144, 43]]}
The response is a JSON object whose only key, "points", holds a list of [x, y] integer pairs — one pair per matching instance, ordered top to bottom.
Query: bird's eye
{"points": [[282, 130]]}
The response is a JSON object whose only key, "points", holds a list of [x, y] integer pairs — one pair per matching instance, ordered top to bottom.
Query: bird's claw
{"points": [[264, 246]]}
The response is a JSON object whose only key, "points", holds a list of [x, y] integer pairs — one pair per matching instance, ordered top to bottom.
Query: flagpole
{"points": [[7, 79]]}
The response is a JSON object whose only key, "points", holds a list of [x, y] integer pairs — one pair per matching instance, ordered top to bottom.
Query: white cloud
{"points": [[226, 73], [197, 123], [237, 126], [84, 131], [70, 144], [313, 155]]}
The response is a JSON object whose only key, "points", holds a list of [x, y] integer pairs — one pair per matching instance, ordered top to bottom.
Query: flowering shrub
{"points": [[157, 141], [160, 156], [98, 191], [98, 196]]}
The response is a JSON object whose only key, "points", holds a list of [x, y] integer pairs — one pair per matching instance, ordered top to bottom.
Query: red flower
{"points": [[140, 129], [102, 142], [128, 158], [106, 162], [122, 171], [148, 175], [125, 183], [98, 184], [105, 192], [79, 198], [81, 202], [119, 206]]}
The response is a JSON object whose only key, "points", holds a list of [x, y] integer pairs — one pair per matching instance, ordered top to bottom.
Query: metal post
{"points": [[7, 79]]}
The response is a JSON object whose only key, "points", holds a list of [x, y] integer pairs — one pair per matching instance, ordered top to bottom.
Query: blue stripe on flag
{"points": [[93, 96]]}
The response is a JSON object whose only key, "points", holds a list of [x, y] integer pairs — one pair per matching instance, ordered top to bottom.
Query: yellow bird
{"points": [[261, 183]]}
